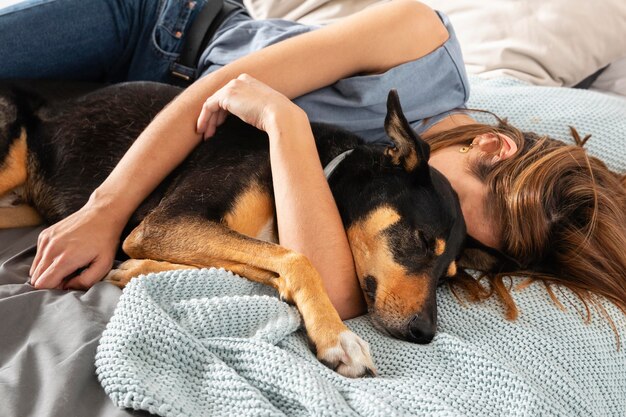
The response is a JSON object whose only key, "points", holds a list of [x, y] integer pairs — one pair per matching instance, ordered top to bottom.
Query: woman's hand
{"points": [[249, 99], [308, 221], [86, 240]]}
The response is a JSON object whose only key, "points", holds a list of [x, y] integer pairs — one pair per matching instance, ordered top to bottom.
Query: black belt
{"points": [[204, 26]]}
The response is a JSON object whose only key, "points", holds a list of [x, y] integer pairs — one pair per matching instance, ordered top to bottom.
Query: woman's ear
{"points": [[501, 146], [507, 149]]}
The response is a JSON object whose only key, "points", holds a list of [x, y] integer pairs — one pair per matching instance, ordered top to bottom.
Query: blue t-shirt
{"points": [[430, 87]]}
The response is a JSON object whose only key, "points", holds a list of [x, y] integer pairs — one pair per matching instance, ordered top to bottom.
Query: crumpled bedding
{"points": [[48, 340], [209, 343]]}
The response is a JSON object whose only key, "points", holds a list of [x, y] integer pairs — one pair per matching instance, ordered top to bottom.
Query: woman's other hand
{"points": [[247, 98], [308, 221], [86, 241]]}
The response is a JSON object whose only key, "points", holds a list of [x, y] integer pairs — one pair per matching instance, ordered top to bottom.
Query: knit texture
{"points": [[209, 343]]}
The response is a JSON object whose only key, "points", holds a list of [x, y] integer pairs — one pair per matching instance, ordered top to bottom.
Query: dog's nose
{"points": [[421, 330]]}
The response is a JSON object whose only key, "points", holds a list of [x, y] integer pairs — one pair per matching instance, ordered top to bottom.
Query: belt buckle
{"points": [[182, 72], [180, 75]]}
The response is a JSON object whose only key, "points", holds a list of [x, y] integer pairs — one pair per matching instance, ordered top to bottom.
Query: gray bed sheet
{"points": [[48, 340]]}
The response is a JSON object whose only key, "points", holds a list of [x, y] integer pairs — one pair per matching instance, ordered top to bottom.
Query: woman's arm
{"points": [[371, 41], [308, 219]]}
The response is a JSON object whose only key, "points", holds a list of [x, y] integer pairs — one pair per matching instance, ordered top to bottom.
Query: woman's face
{"points": [[455, 166]]}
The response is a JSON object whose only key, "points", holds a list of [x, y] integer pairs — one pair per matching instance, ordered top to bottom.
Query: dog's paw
{"points": [[12, 198], [131, 268], [127, 270], [124, 272], [350, 357]]}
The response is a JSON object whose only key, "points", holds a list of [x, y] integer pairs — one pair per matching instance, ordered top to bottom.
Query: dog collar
{"points": [[332, 165]]}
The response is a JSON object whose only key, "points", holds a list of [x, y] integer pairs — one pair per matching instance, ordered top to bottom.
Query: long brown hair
{"points": [[561, 215]]}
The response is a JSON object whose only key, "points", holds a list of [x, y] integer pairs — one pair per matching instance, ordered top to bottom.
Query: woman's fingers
{"points": [[245, 97], [205, 115], [222, 115], [207, 121], [213, 123], [42, 239], [85, 239], [46, 255], [43, 260], [54, 267], [57, 270], [90, 275]]}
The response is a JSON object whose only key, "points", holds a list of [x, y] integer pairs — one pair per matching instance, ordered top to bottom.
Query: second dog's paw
{"points": [[11, 199], [131, 268], [125, 271], [118, 277], [350, 356]]}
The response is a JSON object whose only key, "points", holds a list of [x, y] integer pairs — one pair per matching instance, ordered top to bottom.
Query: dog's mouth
{"points": [[378, 325], [401, 332]]}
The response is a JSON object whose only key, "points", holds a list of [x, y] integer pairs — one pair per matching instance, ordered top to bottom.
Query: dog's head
{"points": [[405, 227]]}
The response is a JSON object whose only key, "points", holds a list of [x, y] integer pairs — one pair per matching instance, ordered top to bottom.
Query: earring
{"points": [[466, 149]]}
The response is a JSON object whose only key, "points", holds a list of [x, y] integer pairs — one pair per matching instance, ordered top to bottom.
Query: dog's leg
{"points": [[13, 168], [22, 215], [203, 243], [131, 268]]}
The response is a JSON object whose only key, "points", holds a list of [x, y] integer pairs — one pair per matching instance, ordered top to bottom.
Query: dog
{"points": [[402, 218]]}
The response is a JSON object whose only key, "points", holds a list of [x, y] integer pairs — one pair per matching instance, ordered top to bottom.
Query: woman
{"points": [[512, 198]]}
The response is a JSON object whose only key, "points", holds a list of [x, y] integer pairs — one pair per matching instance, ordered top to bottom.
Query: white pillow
{"points": [[554, 43]]}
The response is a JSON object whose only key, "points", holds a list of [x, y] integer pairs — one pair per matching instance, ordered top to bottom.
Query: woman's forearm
{"points": [[371, 41], [162, 146], [308, 219]]}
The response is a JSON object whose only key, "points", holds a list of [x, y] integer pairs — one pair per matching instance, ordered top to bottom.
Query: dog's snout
{"points": [[421, 329]]}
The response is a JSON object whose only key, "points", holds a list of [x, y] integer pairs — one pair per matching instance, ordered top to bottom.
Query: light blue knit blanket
{"points": [[208, 343]]}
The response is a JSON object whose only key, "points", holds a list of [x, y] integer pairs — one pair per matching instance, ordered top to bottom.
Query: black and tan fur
{"points": [[403, 219]]}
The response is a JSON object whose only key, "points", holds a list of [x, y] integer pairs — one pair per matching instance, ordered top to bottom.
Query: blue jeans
{"points": [[95, 40]]}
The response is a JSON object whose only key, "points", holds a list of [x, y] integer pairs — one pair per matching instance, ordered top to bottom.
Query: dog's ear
{"points": [[18, 104], [17, 109], [8, 112], [9, 129], [408, 149], [481, 258]]}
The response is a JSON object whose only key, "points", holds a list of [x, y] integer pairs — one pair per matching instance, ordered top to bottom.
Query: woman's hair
{"points": [[560, 213]]}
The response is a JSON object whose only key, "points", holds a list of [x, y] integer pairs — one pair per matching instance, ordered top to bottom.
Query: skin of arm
{"points": [[372, 41], [308, 220]]}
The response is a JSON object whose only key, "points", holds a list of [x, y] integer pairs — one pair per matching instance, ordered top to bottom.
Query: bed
{"points": [[232, 348]]}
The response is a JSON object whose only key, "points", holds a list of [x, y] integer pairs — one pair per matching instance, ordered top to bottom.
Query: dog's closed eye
{"points": [[421, 240]]}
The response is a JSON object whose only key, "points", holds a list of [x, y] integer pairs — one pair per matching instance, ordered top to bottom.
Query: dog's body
{"points": [[402, 218]]}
